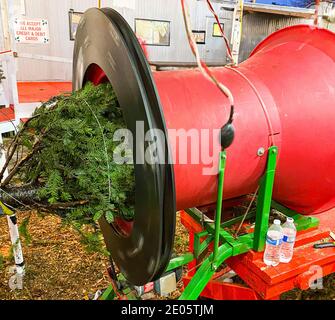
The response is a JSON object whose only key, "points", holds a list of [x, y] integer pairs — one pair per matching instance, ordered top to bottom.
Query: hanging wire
{"points": [[229, 53], [201, 64], [261, 101], [246, 212]]}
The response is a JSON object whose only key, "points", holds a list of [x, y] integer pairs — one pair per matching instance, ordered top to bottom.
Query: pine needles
{"points": [[62, 159]]}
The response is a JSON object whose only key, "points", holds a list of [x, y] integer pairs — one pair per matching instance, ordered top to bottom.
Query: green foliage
{"points": [[71, 142], [23, 230], [92, 241]]}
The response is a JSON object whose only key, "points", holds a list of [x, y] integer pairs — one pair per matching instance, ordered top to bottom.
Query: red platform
{"points": [[41, 91], [30, 92], [7, 114], [264, 282]]}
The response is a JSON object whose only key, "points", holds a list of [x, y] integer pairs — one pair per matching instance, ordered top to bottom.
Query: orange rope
{"points": [[7, 51], [229, 53], [201, 64]]}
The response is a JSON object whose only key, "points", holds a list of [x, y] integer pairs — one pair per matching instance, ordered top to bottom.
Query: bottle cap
{"points": [[289, 219], [277, 222]]}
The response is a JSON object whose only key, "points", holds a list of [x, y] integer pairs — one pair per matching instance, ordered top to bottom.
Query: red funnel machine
{"points": [[284, 97]]}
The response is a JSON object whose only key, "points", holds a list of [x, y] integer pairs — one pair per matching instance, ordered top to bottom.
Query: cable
{"points": [[7, 51], [229, 53], [201, 64], [260, 99], [246, 212], [114, 281]]}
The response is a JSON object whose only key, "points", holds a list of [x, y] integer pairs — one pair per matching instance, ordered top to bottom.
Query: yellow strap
{"points": [[6, 210]]}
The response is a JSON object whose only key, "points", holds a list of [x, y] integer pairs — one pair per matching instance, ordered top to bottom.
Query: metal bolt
{"points": [[260, 152], [214, 267]]}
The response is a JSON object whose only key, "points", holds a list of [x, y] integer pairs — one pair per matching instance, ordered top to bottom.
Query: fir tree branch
{"points": [[13, 146], [18, 166], [61, 205]]}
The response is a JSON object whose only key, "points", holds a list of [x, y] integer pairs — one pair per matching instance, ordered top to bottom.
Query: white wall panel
{"points": [[60, 45]]}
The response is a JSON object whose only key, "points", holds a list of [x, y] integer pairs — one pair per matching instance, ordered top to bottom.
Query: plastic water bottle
{"points": [[289, 235], [273, 244]]}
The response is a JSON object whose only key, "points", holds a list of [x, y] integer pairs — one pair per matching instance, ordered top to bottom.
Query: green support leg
{"points": [[222, 165], [264, 200], [220, 254], [179, 261], [205, 273], [108, 294]]}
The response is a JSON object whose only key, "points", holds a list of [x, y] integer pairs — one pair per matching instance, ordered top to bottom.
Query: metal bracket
{"points": [[264, 200], [217, 222], [201, 246]]}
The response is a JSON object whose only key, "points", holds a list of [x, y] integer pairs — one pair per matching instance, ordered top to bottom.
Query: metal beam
{"points": [[280, 10]]}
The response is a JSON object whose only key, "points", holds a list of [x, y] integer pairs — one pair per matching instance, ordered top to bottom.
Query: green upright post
{"points": [[222, 165], [264, 200]]}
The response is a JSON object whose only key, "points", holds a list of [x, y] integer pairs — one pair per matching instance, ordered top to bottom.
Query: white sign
{"points": [[31, 30]]}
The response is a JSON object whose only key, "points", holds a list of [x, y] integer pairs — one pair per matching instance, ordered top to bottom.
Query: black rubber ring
{"points": [[104, 38]]}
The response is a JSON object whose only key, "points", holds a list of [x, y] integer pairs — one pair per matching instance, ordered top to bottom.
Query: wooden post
{"points": [[7, 18], [5, 25], [237, 30]]}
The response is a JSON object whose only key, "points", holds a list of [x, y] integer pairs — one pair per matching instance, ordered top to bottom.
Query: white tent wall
{"points": [[59, 46], [179, 50], [53, 61], [40, 67], [4, 86], [8, 88]]}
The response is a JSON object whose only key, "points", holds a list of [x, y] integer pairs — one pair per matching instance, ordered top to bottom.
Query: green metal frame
{"points": [[264, 200], [225, 244], [230, 245], [179, 261]]}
